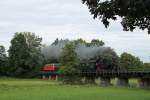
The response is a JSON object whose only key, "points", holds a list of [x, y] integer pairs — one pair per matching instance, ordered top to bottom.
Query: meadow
{"points": [[33, 89]]}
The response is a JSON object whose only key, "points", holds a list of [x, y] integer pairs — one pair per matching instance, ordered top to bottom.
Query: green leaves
{"points": [[134, 13], [24, 54], [68, 56], [3, 60], [69, 62], [129, 62]]}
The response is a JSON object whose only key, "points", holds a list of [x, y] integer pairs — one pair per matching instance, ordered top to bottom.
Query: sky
{"points": [[51, 19]]}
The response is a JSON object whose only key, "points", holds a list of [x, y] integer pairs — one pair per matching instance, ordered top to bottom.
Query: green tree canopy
{"points": [[134, 13], [80, 41], [94, 42], [97, 42], [34, 48], [24, 54], [18, 55], [3, 60], [69, 62], [129, 62], [146, 67]]}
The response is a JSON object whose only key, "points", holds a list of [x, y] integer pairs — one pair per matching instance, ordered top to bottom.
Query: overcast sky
{"points": [[53, 19]]}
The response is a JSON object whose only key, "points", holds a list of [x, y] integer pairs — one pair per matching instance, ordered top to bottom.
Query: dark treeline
{"points": [[26, 56]]}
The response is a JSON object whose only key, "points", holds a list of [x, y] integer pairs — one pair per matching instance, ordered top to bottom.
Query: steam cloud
{"points": [[53, 51], [83, 52], [86, 53]]}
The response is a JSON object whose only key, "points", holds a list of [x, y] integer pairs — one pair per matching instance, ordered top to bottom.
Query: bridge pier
{"points": [[43, 77], [87, 80], [105, 81], [122, 82], [144, 82]]}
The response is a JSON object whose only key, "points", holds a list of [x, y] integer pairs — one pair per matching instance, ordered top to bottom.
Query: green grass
{"points": [[17, 89]]}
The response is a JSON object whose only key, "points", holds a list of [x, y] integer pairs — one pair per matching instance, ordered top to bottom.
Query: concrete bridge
{"points": [[106, 76], [122, 77]]}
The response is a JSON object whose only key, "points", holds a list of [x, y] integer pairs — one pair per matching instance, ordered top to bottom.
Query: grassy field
{"points": [[15, 89]]}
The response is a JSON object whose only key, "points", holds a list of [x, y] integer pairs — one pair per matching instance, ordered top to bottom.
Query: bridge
{"points": [[113, 74], [106, 76], [122, 77]]}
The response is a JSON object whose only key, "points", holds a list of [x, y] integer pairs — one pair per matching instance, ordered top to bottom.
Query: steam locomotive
{"points": [[98, 65]]}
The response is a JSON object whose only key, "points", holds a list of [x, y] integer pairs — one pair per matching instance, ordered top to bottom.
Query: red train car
{"points": [[49, 71]]}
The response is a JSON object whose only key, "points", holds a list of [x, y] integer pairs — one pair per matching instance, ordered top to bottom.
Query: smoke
{"points": [[53, 51], [83, 52], [87, 53]]}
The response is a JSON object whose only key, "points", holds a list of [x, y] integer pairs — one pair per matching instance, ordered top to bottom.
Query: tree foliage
{"points": [[134, 13], [94, 42], [34, 48], [24, 54], [3, 60], [129, 62], [70, 63], [146, 67]]}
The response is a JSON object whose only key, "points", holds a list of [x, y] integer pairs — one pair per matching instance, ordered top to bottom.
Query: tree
{"points": [[134, 13], [79, 41], [55, 42], [96, 42], [34, 49], [24, 54], [18, 55], [3, 60], [129, 62], [70, 64], [146, 67]]}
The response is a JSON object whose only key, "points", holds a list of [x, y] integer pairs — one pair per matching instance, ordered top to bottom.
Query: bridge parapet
{"points": [[113, 74]]}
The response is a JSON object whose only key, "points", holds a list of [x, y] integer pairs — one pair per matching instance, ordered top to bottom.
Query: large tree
{"points": [[134, 13], [34, 46], [24, 54], [3, 60], [129, 62], [70, 63]]}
